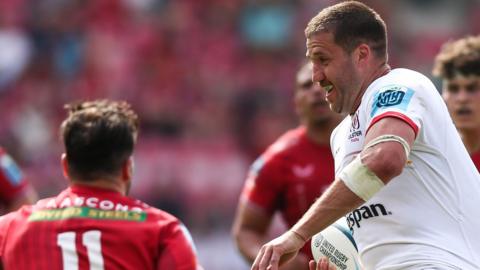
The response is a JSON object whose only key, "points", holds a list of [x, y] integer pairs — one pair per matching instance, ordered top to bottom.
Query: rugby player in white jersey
{"points": [[403, 177]]}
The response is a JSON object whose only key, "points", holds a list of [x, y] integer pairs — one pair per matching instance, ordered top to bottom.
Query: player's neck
{"points": [[382, 69], [470, 139], [102, 183]]}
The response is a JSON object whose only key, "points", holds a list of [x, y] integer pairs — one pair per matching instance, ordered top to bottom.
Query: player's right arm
{"points": [[259, 200], [256, 207], [250, 229]]}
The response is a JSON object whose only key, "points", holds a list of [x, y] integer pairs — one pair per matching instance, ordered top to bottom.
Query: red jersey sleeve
{"points": [[12, 182], [263, 185], [4, 227], [178, 252]]}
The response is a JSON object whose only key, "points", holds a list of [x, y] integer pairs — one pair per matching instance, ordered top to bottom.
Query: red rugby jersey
{"points": [[289, 176], [12, 182], [86, 228]]}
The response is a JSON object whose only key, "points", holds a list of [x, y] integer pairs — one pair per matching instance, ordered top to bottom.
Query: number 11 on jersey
{"points": [[90, 239]]}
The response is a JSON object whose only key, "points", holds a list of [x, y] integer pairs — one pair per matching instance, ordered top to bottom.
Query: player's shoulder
{"points": [[405, 72], [404, 75], [400, 78], [391, 88], [291, 139], [279, 151], [45, 201], [154, 212], [19, 215], [7, 218], [161, 218], [5, 225]]}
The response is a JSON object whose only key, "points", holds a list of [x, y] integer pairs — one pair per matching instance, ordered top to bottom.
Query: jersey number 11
{"points": [[90, 239]]}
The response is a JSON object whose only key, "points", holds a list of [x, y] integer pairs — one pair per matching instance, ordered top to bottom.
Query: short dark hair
{"points": [[351, 23], [458, 57], [99, 137]]}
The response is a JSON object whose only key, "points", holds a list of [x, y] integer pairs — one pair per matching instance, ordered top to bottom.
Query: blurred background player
{"points": [[458, 64], [290, 174], [15, 190], [93, 224]]}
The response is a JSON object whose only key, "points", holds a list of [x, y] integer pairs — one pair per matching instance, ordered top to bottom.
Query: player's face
{"points": [[335, 70], [462, 96], [310, 102]]}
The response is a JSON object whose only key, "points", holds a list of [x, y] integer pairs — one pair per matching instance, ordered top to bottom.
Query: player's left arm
{"points": [[387, 159], [179, 253]]}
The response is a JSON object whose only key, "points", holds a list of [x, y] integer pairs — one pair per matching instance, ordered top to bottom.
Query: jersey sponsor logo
{"points": [[392, 96], [389, 98], [355, 122], [354, 128], [353, 137], [10, 169], [303, 171], [94, 202], [85, 212], [366, 212]]}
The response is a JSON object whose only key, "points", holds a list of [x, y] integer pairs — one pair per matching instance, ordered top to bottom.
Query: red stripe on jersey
{"points": [[397, 115], [476, 159]]}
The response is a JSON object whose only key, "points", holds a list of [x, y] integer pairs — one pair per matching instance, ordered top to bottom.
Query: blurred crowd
{"points": [[212, 81]]}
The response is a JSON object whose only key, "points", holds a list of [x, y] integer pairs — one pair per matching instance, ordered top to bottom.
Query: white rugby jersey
{"points": [[430, 214]]}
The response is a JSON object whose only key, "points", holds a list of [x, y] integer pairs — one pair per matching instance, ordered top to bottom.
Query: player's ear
{"points": [[362, 53], [64, 165]]}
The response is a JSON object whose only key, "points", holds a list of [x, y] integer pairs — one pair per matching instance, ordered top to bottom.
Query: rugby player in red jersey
{"points": [[458, 64], [290, 174], [15, 190], [93, 224]]}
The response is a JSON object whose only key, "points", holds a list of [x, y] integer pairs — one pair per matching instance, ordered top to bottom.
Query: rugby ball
{"points": [[336, 242]]}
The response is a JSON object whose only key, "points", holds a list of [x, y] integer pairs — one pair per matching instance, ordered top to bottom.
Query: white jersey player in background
{"points": [[403, 176]]}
